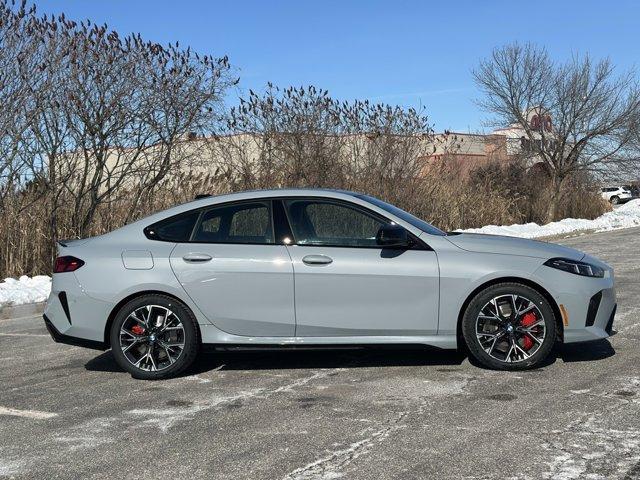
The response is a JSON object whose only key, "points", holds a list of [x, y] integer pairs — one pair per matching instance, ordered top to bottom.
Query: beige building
{"points": [[240, 154]]}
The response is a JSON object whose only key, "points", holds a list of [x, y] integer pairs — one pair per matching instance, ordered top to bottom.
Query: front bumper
{"points": [[573, 294], [609, 326], [603, 328]]}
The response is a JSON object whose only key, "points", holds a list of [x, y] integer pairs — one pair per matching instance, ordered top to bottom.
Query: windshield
{"points": [[406, 216]]}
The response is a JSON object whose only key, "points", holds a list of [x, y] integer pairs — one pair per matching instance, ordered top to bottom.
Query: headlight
{"points": [[573, 266]]}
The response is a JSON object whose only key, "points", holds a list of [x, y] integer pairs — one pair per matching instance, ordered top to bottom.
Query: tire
{"points": [[615, 200], [159, 331], [508, 340]]}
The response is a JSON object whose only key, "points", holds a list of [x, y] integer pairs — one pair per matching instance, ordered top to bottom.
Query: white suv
{"points": [[616, 195]]}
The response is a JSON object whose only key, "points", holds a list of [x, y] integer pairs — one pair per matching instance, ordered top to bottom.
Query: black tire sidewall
{"points": [[471, 314], [191, 334]]}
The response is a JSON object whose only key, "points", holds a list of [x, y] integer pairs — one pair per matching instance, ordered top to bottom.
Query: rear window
{"points": [[174, 229]]}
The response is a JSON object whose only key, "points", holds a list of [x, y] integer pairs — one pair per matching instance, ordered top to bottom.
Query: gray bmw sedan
{"points": [[319, 267]]}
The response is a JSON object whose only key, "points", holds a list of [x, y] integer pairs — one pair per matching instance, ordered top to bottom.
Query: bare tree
{"points": [[18, 64], [182, 97], [112, 116], [575, 116], [89, 121], [301, 136], [289, 137], [386, 150]]}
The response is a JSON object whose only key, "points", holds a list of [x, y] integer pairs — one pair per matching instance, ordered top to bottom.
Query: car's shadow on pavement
{"points": [[573, 352], [585, 352], [356, 357], [285, 358], [278, 359]]}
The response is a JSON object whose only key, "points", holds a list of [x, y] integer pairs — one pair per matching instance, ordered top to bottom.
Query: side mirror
{"points": [[392, 236]]}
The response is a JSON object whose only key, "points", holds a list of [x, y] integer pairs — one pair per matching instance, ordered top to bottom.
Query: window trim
{"points": [[267, 201], [281, 223], [417, 243]]}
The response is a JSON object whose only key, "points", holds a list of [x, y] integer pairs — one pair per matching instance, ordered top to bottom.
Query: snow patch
{"points": [[625, 216], [24, 290], [303, 381], [165, 418], [102, 430], [88, 435], [596, 446], [594, 451], [329, 467], [9, 468]]}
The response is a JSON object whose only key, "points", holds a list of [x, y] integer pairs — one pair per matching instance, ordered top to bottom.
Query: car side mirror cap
{"points": [[392, 236]]}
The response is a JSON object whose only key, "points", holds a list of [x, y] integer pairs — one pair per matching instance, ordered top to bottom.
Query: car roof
{"points": [[268, 193]]}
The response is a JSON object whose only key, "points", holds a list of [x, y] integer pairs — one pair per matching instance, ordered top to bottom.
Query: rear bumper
{"points": [[73, 313], [69, 340]]}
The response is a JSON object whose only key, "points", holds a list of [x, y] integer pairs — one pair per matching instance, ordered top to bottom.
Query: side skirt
{"points": [[212, 335]]}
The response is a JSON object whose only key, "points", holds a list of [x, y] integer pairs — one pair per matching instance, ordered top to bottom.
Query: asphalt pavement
{"points": [[410, 413]]}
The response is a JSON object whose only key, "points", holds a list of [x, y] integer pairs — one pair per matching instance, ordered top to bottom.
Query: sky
{"points": [[411, 53]]}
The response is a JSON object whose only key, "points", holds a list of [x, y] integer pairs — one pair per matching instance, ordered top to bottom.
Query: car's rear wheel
{"points": [[615, 200], [509, 326], [154, 337]]}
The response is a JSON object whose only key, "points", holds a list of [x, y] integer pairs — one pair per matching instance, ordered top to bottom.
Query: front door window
{"points": [[326, 223]]}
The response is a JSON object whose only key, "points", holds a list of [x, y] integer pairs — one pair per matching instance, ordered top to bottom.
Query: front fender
{"points": [[462, 273]]}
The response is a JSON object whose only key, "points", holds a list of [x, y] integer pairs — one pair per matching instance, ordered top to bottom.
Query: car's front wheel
{"points": [[509, 326], [154, 337]]}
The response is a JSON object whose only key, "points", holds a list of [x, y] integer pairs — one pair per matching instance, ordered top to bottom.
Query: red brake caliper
{"points": [[527, 320], [137, 330]]}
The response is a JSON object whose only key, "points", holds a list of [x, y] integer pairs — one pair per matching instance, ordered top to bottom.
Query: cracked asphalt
{"points": [[409, 413]]}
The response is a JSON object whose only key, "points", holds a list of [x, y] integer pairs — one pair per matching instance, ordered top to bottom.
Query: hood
{"points": [[477, 242]]}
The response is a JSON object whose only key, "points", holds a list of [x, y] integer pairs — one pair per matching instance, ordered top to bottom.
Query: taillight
{"points": [[67, 264]]}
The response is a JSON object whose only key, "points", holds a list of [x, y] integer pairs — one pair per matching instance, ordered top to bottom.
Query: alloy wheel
{"points": [[510, 328], [152, 338]]}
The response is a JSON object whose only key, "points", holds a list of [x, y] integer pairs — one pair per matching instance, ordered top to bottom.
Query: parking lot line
{"points": [[35, 414]]}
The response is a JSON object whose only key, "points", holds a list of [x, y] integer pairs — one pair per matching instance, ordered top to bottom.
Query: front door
{"points": [[232, 269], [345, 285]]}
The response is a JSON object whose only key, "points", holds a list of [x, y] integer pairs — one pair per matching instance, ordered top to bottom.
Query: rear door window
{"points": [[236, 223]]}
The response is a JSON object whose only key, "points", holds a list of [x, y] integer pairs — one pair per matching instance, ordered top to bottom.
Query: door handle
{"points": [[196, 257], [317, 260]]}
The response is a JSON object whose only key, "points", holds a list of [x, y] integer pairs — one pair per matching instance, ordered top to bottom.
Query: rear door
{"points": [[236, 273], [346, 285]]}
